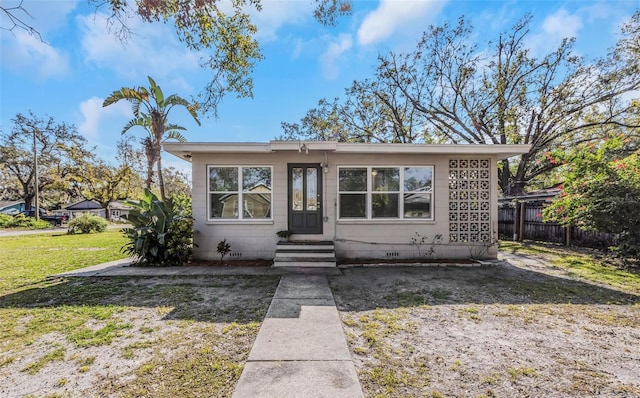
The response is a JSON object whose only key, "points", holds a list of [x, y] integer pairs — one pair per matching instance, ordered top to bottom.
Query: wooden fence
{"points": [[529, 218]]}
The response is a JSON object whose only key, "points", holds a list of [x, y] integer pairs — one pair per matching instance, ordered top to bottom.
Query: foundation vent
{"points": [[235, 254], [393, 254]]}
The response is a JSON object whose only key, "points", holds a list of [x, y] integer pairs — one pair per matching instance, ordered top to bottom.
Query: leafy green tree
{"points": [[453, 89], [502, 94], [151, 111], [57, 146], [96, 180], [176, 182], [601, 191]]}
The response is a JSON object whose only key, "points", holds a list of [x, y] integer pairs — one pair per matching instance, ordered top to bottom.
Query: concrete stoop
{"points": [[305, 254], [300, 350]]}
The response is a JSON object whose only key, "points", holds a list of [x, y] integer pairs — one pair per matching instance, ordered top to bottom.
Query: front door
{"points": [[305, 198]]}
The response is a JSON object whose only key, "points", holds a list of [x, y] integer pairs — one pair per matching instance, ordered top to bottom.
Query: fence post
{"points": [[523, 211], [568, 233]]}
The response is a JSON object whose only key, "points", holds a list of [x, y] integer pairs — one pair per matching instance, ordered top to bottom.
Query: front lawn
{"points": [[28, 259], [587, 264], [492, 331], [120, 337]]}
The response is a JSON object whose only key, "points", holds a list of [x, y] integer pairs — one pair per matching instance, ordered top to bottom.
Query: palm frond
{"points": [[156, 91], [139, 121], [174, 135]]}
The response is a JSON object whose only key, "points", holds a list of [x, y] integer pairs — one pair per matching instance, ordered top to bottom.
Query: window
{"points": [[239, 192], [385, 192]]}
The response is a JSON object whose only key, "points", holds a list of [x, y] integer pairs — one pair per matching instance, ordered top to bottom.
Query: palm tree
{"points": [[150, 111]]}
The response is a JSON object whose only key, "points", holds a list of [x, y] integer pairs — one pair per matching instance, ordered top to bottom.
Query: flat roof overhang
{"points": [[185, 150]]}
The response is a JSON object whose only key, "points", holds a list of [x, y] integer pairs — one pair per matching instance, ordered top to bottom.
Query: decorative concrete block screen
{"points": [[469, 200]]}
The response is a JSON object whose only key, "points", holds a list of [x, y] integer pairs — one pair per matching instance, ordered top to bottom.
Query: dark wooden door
{"points": [[305, 198]]}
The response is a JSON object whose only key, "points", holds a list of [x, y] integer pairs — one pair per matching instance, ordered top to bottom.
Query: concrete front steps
{"points": [[305, 254]]}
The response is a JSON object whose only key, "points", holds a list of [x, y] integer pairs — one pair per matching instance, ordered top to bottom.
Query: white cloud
{"points": [[276, 14], [395, 15], [562, 24], [554, 29], [152, 50], [27, 54], [332, 54], [93, 115]]}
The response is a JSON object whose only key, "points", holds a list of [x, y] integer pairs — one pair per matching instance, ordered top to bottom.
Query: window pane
{"points": [[418, 178], [223, 179], [256, 179], [385, 179], [354, 180], [296, 185], [312, 188], [223, 205], [256, 205], [353, 205], [384, 205], [417, 205]]}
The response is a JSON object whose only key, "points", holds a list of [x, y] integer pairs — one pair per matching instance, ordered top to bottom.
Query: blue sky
{"points": [[82, 63]]}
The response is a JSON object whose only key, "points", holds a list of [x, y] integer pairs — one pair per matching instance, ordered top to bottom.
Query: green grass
{"points": [[28, 259], [580, 264], [87, 313], [55, 355]]}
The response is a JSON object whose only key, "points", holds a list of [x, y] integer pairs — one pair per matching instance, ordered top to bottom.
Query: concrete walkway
{"points": [[301, 350]]}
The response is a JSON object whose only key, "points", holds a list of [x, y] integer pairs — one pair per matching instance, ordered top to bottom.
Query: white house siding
{"points": [[353, 238]]}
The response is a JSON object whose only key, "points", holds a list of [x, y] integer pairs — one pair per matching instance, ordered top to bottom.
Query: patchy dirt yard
{"points": [[491, 331], [130, 337]]}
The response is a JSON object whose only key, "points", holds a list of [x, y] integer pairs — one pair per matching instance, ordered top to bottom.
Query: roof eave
{"points": [[185, 150]]}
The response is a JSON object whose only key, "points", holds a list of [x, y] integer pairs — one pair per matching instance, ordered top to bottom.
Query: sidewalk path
{"points": [[301, 350]]}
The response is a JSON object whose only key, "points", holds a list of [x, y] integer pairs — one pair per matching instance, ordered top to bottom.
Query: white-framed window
{"points": [[239, 192], [385, 192]]}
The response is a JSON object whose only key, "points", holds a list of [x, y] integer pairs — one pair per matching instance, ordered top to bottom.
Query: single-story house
{"points": [[370, 200], [12, 207], [83, 207], [118, 211]]}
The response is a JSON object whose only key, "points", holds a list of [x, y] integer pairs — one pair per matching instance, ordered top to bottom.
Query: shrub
{"points": [[5, 221], [22, 221], [87, 223], [161, 232], [223, 249]]}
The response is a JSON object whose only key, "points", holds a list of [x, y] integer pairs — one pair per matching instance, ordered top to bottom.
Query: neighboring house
{"points": [[542, 196], [369, 199], [12, 207], [83, 207], [118, 211]]}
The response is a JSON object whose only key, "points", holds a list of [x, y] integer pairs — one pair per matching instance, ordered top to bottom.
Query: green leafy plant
{"points": [[601, 191], [5, 221], [22, 221], [87, 223], [161, 232], [285, 233], [223, 249]]}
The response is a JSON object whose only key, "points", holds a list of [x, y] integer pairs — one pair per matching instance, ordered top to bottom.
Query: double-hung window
{"points": [[239, 192], [385, 192]]}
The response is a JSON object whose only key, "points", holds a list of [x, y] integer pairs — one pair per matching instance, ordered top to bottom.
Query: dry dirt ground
{"points": [[491, 331], [131, 337]]}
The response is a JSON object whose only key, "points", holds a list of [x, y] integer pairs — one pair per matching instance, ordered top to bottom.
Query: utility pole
{"points": [[35, 180]]}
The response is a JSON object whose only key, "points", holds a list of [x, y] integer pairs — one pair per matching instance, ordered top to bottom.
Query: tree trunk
{"points": [[157, 127], [151, 159], [504, 177], [160, 178]]}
